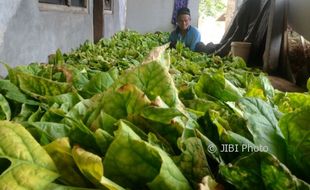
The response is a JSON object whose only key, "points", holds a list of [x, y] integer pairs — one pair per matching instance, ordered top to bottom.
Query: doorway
{"points": [[213, 18]]}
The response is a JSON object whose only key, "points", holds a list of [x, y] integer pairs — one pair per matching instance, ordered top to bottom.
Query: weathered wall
{"points": [[150, 16], [115, 21], [30, 35]]}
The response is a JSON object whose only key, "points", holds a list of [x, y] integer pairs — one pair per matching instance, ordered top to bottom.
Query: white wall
{"points": [[155, 15], [298, 15], [115, 21], [30, 35]]}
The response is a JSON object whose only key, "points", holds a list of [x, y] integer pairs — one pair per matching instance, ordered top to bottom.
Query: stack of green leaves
{"points": [[116, 115]]}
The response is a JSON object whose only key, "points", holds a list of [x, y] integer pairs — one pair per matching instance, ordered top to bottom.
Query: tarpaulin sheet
{"points": [[263, 24]]}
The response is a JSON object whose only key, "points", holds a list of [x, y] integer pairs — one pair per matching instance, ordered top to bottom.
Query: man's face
{"points": [[184, 21]]}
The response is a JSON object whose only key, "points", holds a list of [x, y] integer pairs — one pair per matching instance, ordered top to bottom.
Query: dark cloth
{"points": [[177, 5], [262, 23], [249, 24]]}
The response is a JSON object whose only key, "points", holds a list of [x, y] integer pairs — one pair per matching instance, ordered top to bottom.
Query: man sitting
{"points": [[184, 32]]}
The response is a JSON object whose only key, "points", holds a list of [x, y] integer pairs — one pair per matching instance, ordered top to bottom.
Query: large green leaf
{"points": [[76, 77], [153, 78], [97, 84], [215, 84], [39, 87], [259, 87], [12, 92], [70, 99], [125, 101], [290, 101], [80, 109], [5, 110], [25, 112], [162, 115], [101, 120], [262, 122], [295, 128], [52, 130], [82, 135], [103, 139], [209, 147], [60, 152], [193, 162], [24, 163], [88, 163], [134, 163], [91, 166], [261, 171], [276, 176]]}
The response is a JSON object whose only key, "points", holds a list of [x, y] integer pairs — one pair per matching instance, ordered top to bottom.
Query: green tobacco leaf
{"points": [[57, 58], [77, 77], [153, 78], [97, 84], [215, 84], [39, 87], [259, 87], [12, 92], [70, 99], [125, 101], [290, 101], [80, 109], [5, 110], [25, 112], [37, 115], [162, 115], [102, 121], [262, 122], [295, 128], [52, 130], [82, 135], [103, 139], [207, 144], [60, 152], [193, 162], [135, 163], [89, 164], [27, 166], [261, 171], [243, 173], [276, 176], [110, 185]]}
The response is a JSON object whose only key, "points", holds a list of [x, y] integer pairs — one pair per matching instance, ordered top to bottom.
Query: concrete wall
{"points": [[150, 16], [115, 20], [30, 35]]}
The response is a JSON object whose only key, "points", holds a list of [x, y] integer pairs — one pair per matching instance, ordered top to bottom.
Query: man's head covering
{"points": [[183, 11]]}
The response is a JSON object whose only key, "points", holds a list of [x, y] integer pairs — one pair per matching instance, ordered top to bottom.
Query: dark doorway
{"points": [[98, 20]]}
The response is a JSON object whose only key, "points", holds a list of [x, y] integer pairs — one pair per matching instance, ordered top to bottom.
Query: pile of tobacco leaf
{"points": [[131, 113]]}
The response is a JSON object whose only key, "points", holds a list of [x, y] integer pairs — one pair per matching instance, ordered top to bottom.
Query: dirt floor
{"points": [[284, 85]]}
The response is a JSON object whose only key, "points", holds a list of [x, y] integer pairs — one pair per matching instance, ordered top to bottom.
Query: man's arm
{"points": [[196, 38]]}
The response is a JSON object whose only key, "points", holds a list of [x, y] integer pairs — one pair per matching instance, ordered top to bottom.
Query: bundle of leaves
{"points": [[165, 119]]}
